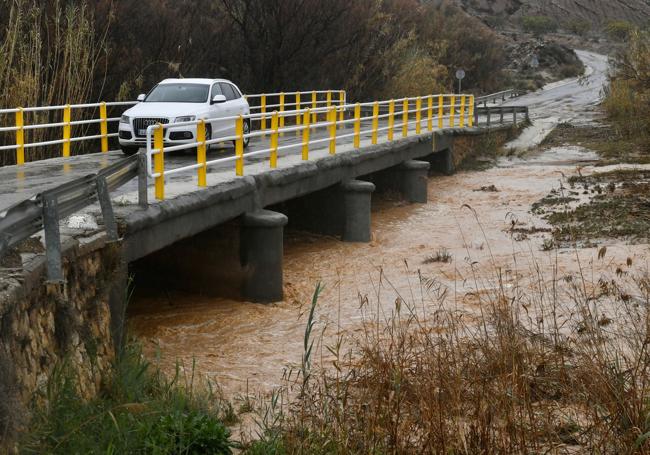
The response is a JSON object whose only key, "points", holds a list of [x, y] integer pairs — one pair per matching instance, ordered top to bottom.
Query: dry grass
{"points": [[51, 56], [550, 364]]}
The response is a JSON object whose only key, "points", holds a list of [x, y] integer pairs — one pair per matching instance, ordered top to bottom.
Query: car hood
{"points": [[170, 110]]}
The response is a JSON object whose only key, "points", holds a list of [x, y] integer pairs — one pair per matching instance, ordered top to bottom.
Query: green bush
{"points": [[539, 25], [579, 26], [619, 30], [137, 411]]}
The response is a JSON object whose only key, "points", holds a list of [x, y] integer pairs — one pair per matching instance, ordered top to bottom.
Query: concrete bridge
{"points": [[219, 223], [72, 229]]}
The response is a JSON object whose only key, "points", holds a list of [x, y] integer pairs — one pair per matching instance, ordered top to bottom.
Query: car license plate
{"points": [[142, 132]]}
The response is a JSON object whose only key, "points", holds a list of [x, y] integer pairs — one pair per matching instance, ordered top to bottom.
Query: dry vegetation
{"points": [[68, 51], [628, 99], [547, 364]]}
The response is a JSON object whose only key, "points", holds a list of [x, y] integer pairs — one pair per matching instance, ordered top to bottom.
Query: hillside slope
{"points": [[595, 11]]}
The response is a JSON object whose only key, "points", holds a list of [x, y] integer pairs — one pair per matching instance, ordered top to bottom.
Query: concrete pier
{"points": [[414, 179], [357, 202], [261, 251]]}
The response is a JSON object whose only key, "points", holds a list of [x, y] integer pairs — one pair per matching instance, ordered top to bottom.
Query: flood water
{"points": [[245, 346], [248, 347]]}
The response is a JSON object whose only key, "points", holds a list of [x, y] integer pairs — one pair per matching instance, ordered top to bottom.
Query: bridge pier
{"points": [[410, 179], [414, 181], [357, 202], [261, 251]]}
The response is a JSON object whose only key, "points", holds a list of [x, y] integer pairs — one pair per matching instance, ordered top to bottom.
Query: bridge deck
{"points": [[18, 183]]}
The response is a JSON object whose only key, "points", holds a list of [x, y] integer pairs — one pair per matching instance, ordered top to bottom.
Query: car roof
{"points": [[194, 81]]}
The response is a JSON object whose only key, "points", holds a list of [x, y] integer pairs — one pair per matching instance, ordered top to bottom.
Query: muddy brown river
{"points": [[245, 346], [249, 347]]}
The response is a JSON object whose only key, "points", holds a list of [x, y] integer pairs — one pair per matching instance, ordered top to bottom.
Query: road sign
{"points": [[460, 75]]}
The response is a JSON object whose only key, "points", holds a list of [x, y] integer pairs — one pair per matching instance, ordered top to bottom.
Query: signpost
{"points": [[460, 75]]}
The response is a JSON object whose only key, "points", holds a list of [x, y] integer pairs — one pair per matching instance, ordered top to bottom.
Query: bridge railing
{"points": [[499, 96], [267, 103], [408, 115], [31, 126], [24, 130]]}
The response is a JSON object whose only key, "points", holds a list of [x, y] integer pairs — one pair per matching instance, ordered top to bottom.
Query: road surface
{"points": [[572, 100]]}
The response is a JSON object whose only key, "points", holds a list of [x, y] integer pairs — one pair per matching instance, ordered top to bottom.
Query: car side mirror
{"points": [[141, 97], [218, 99]]}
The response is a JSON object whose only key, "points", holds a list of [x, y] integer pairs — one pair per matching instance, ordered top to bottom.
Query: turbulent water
{"points": [[250, 347]]}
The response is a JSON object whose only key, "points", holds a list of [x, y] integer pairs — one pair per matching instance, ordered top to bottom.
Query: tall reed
{"points": [[52, 55]]}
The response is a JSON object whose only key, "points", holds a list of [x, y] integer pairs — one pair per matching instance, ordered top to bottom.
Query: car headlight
{"points": [[187, 118], [124, 119]]}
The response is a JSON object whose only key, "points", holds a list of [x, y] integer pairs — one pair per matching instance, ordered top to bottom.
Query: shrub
{"points": [[539, 25], [579, 26], [619, 30], [627, 101], [137, 411]]}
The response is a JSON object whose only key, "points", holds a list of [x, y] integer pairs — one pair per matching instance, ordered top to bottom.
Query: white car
{"points": [[184, 100]]}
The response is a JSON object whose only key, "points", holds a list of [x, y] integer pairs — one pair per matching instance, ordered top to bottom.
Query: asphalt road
{"points": [[572, 100]]}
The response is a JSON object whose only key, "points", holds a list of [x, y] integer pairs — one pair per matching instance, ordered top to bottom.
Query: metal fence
{"points": [[499, 96], [419, 112], [49, 127]]}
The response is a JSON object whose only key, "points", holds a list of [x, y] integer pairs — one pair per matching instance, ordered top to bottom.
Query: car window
{"points": [[216, 90], [228, 91], [237, 92], [178, 93]]}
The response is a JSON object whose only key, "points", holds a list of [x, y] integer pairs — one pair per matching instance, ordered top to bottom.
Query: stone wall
{"points": [[41, 326]]}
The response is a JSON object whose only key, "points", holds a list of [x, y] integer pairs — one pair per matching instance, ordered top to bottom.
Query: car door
{"points": [[231, 105], [220, 128]]}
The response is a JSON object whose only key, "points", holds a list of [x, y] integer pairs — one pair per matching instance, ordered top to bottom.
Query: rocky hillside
{"points": [[595, 11]]}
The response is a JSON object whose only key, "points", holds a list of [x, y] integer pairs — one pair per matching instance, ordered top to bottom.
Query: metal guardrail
{"points": [[499, 96], [416, 111], [487, 113], [28, 123], [21, 127], [45, 210]]}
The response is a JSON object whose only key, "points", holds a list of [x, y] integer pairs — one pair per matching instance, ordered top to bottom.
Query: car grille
{"points": [[141, 124]]}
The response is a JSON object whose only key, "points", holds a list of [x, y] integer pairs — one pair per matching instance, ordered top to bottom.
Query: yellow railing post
{"points": [[329, 100], [314, 105], [342, 107], [263, 111], [441, 111], [462, 111], [471, 111], [452, 112], [430, 113], [298, 114], [418, 115], [67, 116], [281, 116], [405, 117], [391, 119], [332, 121], [375, 122], [103, 126], [357, 126], [306, 130], [20, 136], [274, 141], [239, 146], [201, 154], [159, 162]]}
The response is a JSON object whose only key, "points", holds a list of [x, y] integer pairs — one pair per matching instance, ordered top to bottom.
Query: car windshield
{"points": [[179, 93]]}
